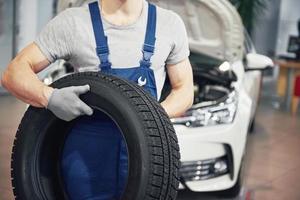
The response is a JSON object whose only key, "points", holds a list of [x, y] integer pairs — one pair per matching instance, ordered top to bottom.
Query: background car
{"points": [[227, 83]]}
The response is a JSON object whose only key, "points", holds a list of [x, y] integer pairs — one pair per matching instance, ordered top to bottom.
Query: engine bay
{"points": [[213, 80], [212, 85], [215, 98]]}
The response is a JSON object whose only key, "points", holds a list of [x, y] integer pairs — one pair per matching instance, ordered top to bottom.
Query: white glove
{"points": [[66, 104]]}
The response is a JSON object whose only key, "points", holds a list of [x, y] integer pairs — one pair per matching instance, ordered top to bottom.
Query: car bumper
{"points": [[209, 143]]}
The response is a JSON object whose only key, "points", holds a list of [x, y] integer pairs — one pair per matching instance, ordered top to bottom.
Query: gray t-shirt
{"points": [[70, 36]]}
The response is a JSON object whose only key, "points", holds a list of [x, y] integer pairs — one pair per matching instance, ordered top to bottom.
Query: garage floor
{"points": [[272, 163]]}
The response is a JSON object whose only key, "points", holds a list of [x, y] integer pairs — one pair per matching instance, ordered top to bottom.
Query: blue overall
{"points": [[95, 159]]}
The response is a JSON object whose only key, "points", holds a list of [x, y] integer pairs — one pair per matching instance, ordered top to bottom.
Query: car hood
{"points": [[214, 27]]}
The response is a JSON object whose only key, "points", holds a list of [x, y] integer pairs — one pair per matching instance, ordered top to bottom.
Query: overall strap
{"points": [[101, 40], [149, 44]]}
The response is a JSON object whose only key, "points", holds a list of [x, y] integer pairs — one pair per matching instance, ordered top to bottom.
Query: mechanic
{"points": [[128, 38]]}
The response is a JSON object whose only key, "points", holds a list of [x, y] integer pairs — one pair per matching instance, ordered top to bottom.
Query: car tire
{"points": [[252, 127], [151, 142], [234, 191]]}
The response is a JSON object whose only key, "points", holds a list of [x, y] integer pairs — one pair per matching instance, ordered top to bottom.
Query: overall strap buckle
{"points": [[149, 43], [102, 49], [148, 51], [103, 54]]}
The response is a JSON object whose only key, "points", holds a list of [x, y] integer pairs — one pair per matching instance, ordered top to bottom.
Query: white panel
{"points": [[45, 13], [27, 20], [6, 30], [6, 38]]}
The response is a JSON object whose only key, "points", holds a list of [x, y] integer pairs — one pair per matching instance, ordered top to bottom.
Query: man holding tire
{"points": [[70, 36], [130, 39]]}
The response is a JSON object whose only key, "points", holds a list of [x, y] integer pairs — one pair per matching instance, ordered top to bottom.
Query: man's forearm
{"points": [[21, 81], [182, 95], [178, 102]]}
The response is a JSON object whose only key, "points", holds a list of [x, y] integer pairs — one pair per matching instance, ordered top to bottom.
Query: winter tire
{"points": [[152, 145]]}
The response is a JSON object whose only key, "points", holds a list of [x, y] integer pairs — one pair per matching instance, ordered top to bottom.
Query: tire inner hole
{"points": [[94, 159]]}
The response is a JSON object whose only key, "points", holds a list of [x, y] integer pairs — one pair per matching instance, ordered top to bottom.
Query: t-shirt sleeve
{"points": [[55, 39], [180, 50]]}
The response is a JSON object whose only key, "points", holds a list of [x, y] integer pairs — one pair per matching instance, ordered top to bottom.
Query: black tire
{"points": [[252, 126], [151, 141], [236, 189], [232, 192]]}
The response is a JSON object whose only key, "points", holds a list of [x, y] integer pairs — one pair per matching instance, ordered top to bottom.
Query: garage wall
{"points": [[45, 13], [289, 15], [32, 16], [27, 22], [266, 29], [272, 30], [6, 34]]}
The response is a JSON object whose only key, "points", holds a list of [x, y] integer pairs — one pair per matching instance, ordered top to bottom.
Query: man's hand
{"points": [[66, 104]]}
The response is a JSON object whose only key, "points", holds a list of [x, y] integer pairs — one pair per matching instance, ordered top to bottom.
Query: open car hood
{"points": [[214, 26]]}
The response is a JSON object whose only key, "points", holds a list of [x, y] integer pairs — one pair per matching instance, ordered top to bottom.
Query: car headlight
{"points": [[220, 113]]}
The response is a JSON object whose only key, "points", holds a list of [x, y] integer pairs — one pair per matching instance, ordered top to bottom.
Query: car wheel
{"points": [[252, 126], [153, 151], [234, 191]]}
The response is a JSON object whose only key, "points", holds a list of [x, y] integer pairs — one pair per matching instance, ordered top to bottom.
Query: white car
{"points": [[213, 133]]}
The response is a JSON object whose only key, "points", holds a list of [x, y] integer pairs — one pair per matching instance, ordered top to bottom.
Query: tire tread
{"points": [[162, 140]]}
